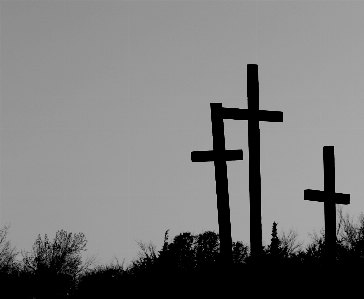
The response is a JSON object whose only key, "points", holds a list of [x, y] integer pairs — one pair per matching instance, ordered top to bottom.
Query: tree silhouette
{"points": [[349, 242], [275, 243], [350, 246], [207, 250], [284, 251], [240, 253], [7, 255], [193, 259], [55, 265], [143, 265], [9, 268]]}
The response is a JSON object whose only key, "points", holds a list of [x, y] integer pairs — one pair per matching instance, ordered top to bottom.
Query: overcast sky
{"points": [[102, 103]]}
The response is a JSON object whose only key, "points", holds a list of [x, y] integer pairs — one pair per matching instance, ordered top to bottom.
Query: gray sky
{"points": [[102, 103]]}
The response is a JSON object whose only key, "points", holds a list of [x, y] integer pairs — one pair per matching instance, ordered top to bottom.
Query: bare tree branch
{"points": [[288, 243]]}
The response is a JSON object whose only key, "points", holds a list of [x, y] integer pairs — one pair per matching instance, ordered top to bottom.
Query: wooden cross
{"points": [[254, 115], [219, 155], [329, 198]]}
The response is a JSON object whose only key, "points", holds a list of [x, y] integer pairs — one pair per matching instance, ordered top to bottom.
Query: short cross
{"points": [[254, 115], [219, 155], [329, 198]]}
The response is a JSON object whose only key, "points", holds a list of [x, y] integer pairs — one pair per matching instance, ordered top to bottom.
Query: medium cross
{"points": [[254, 115], [219, 155], [329, 198]]}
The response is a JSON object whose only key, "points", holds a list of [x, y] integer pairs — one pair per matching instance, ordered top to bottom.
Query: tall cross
{"points": [[254, 115], [219, 155], [329, 198]]}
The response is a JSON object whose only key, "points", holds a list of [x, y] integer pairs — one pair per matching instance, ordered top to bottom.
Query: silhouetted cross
{"points": [[254, 115], [219, 155], [329, 198]]}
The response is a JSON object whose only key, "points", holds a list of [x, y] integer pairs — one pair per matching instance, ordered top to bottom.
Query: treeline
{"points": [[185, 266]]}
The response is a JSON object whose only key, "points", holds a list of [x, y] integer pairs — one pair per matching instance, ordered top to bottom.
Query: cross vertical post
{"points": [[253, 115], [219, 155], [254, 163], [330, 199], [329, 205]]}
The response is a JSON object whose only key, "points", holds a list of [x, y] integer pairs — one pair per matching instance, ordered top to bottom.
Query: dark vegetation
{"points": [[186, 266]]}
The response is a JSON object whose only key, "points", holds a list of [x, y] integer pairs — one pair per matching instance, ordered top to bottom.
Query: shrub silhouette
{"points": [[193, 260], [103, 282]]}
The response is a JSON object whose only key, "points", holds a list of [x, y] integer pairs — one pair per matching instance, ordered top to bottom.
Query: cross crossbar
{"points": [[246, 114], [213, 155], [328, 195], [321, 196]]}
